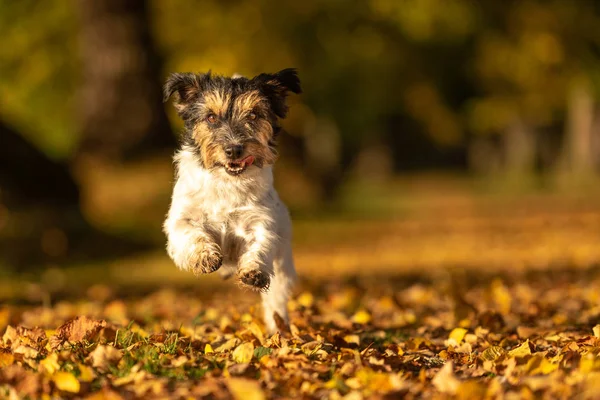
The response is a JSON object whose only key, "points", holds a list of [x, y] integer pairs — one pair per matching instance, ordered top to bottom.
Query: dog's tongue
{"points": [[248, 160]]}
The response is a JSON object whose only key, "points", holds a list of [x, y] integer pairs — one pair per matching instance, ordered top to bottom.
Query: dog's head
{"points": [[232, 122]]}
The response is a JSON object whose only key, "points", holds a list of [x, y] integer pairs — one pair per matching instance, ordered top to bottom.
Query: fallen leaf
{"points": [[501, 296], [306, 299], [361, 317], [78, 329], [256, 331], [10, 335], [456, 336], [228, 345], [521, 351], [260, 352], [243, 353], [492, 353], [104, 356], [6, 359], [50, 364], [539, 364], [86, 373], [66, 381], [445, 381], [245, 389]]}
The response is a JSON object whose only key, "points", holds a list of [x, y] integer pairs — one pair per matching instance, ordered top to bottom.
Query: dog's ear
{"points": [[186, 87], [277, 87]]}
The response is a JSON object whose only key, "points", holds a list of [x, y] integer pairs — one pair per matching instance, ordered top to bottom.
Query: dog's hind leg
{"points": [[276, 297]]}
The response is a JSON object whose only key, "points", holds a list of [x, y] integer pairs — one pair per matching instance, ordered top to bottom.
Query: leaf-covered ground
{"points": [[457, 335]]}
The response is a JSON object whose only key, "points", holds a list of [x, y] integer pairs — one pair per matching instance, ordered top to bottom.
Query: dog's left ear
{"points": [[277, 87]]}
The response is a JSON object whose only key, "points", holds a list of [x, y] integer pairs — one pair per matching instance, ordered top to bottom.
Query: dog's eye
{"points": [[252, 116], [211, 118]]}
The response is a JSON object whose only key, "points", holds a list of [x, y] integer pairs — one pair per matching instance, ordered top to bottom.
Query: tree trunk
{"points": [[122, 114], [520, 150], [577, 152]]}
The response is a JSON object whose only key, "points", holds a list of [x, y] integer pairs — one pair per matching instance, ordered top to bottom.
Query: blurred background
{"points": [[431, 134]]}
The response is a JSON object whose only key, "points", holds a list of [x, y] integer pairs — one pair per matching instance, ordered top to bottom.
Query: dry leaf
{"points": [[501, 296], [306, 299], [361, 317], [79, 329], [456, 336], [521, 351], [243, 353], [492, 353], [104, 356], [6, 359], [50, 364], [86, 373], [66, 381], [445, 381], [245, 389]]}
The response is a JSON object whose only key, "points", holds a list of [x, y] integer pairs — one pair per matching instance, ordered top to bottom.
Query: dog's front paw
{"points": [[210, 260], [254, 279]]}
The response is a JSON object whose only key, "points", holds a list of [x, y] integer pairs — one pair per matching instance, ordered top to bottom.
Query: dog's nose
{"points": [[234, 151]]}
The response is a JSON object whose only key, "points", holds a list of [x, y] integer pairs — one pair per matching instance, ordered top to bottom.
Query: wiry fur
{"points": [[232, 223]]}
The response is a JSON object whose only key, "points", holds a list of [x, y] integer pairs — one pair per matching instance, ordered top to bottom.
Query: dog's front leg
{"points": [[192, 246], [255, 267]]}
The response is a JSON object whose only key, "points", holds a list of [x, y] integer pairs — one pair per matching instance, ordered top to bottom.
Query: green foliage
{"points": [[448, 68], [39, 71]]}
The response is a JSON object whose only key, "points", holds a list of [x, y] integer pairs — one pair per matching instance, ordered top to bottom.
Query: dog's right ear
{"points": [[185, 86]]}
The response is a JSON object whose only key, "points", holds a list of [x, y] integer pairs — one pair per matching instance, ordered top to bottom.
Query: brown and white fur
{"points": [[225, 213]]}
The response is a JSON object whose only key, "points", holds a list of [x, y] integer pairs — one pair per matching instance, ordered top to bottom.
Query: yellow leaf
{"points": [[501, 296], [306, 300], [4, 317], [246, 317], [361, 317], [138, 329], [596, 330], [256, 331], [458, 334], [352, 339], [228, 345], [208, 349], [521, 351], [492, 352], [243, 353], [6, 359], [589, 363], [50, 364], [538, 364], [87, 374], [374, 380], [66, 382], [245, 389], [471, 390], [105, 394]]}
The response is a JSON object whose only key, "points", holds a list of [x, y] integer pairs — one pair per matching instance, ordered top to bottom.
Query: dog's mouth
{"points": [[236, 167]]}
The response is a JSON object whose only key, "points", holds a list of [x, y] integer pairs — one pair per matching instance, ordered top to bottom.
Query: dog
{"points": [[225, 214]]}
